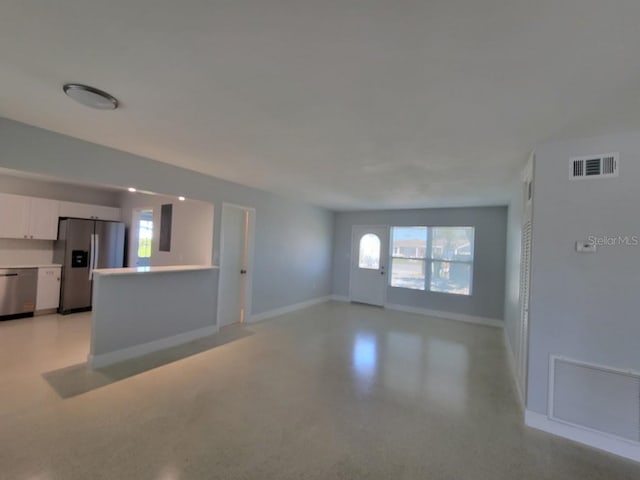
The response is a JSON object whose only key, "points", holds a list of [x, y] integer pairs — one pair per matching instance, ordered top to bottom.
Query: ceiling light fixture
{"points": [[90, 96], [131, 189], [181, 199]]}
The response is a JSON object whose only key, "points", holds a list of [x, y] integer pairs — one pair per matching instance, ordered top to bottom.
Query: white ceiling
{"points": [[345, 104]]}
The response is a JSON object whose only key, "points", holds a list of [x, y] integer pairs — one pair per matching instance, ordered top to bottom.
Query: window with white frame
{"points": [[408, 257], [438, 259]]}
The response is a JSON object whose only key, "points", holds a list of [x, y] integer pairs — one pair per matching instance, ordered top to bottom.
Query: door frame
{"points": [[133, 240], [384, 255], [248, 291]]}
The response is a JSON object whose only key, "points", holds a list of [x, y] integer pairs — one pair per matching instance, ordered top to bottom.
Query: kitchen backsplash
{"points": [[25, 252]]}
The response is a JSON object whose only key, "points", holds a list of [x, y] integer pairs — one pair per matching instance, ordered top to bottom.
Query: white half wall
{"points": [[135, 314]]}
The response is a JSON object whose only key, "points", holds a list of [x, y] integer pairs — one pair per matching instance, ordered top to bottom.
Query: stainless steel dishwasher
{"points": [[18, 287]]}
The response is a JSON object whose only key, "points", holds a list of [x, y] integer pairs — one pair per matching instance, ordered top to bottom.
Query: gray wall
{"points": [[293, 240], [489, 267], [583, 306]]}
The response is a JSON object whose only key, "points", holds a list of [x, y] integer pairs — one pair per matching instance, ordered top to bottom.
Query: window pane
{"points": [[409, 242], [452, 243], [369, 252], [407, 273], [451, 277]]}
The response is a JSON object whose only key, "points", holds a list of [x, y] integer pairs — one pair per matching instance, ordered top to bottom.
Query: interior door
{"points": [[369, 256], [234, 264], [525, 274], [522, 347]]}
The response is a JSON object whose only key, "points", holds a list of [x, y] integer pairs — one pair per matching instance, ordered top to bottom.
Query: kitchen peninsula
{"points": [[140, 310]]}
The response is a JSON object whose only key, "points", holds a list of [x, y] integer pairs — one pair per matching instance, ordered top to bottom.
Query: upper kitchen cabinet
{"points": [[83, 210], [14, 216], [28, 217], [43, 219]]}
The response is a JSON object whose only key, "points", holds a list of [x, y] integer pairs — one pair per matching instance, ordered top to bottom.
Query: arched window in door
{"points": [[369, 256]]}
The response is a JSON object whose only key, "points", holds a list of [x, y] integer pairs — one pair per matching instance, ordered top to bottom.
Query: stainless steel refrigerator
{"points": [[82, 246]]}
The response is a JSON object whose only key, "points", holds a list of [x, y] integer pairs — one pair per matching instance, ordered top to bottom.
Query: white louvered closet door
{"points": [[525, 277]]}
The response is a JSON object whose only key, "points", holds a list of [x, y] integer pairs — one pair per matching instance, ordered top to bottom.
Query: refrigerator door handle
{"points": [[92, 255], [96, 255]]}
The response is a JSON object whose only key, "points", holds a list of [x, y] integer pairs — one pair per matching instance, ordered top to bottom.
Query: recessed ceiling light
{"points": [[90, 96], [131, 189], [181, 199]]}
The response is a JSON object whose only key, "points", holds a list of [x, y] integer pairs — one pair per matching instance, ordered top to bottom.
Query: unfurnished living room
{"points": [[348, 239]]}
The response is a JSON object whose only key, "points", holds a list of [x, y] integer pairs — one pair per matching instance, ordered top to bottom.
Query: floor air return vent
{"points": [[597, 398]]}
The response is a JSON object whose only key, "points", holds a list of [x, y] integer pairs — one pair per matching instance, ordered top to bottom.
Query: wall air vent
{"points": [[595, 166], [595, 397]]}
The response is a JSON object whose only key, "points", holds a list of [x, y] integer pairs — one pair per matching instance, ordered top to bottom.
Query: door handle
{"points": [[91, 256], [96, 257]]}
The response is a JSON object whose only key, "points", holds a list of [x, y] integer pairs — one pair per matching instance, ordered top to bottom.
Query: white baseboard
{"points": [[340, 298], [288, 309], [491, 322], [104, 359], [511, 359], [601, 441]]}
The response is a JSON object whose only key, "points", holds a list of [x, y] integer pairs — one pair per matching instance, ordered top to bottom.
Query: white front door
{"points": [[369, 255], [235, 268]]}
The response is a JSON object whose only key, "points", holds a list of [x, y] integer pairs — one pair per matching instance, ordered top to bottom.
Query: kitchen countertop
{"points": [[48, 265], [143, 270]]}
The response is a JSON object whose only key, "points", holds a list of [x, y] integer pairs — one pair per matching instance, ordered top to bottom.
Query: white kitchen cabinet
{"points": [[75, 210], [84, 210], [107, 213], [14, 216], [28, 217], [37, 218], [43, 219], [48, 296]]}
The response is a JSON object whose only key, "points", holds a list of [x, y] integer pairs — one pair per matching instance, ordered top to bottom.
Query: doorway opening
{"points": [[143, 224], [236, 264]]}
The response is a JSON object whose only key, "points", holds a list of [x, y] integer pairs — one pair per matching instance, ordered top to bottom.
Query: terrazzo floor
{"points": [[335, 391]]}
